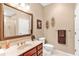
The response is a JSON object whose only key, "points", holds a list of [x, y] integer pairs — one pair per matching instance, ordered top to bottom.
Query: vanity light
{"points": [[25, 5], [28, 6]]}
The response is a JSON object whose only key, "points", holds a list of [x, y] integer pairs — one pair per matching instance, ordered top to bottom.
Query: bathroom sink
{"points": [[29, 43], [12, 51], [2, 52]]}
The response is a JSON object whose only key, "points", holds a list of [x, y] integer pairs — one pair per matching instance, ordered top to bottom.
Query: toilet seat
{"points": [[48, 45], [48, 48]]}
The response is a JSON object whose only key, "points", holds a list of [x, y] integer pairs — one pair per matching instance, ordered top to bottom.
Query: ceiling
{"points": [[45, 4]]}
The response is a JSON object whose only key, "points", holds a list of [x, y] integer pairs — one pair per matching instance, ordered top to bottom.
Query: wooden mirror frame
{"points": [[2, 23]]}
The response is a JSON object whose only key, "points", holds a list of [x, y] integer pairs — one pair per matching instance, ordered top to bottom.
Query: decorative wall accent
{"points": [[53, 22], [39, 24], [47, 24], [62, 36]]}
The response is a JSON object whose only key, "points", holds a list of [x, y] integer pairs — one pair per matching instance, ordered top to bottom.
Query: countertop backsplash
{"points": [[16, 41]]}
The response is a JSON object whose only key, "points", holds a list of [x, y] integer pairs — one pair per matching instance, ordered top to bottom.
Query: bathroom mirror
{"points": [[17, 23]]}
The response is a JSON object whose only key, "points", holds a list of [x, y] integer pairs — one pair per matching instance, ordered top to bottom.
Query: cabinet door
{"points": [[40, 46], [40, 49], [31, 52], [40, 52], [35, 54]]}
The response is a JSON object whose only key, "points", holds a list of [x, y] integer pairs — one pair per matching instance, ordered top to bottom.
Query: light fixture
{"points": [[24, 5]]}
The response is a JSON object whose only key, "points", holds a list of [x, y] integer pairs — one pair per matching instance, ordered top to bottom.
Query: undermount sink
{"points": [[29, 43], [12, 51], [2, 52]]}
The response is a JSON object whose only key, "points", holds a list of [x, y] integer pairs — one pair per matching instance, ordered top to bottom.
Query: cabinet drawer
{"points": [[40, 46], [40, 51], [31, 52], [35, 54], [41, 54]]}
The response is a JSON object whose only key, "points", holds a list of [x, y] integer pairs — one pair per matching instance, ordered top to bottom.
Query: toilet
{"points": [[47, 48]]}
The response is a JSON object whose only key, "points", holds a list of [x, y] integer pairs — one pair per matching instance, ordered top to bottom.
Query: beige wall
{"points": [[37, 11], [64, 19]]}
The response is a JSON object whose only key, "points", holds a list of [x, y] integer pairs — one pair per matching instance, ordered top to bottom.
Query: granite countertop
{"points": [[27, 47], [16, 51]]}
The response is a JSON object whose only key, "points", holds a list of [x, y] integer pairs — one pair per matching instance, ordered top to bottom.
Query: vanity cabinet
{"points": [[40, 50], [36, 51], [31, 52]]}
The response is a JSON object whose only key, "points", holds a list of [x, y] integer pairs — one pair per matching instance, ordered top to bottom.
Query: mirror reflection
{"points": [[16, 22]]}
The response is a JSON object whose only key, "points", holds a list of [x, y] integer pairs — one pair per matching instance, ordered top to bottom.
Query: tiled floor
{"points": [[56, 53]]}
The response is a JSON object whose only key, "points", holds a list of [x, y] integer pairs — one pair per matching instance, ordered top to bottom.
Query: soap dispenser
{"points": [[7, 44]]}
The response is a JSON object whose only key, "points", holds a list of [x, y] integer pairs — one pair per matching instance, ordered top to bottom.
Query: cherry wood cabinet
{"points": [[39, 50], [36, 51], [31, 52]]}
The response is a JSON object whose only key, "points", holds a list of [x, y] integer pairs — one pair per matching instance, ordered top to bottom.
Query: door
{"points": [[77, 30], [77, 36]]}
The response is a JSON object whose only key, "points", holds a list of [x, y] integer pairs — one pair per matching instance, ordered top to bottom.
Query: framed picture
{"points": [[52, 22], [39, 24], [47, 24]]}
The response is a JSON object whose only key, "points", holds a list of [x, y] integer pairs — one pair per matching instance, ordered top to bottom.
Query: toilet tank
{"points": [[42, 39]]}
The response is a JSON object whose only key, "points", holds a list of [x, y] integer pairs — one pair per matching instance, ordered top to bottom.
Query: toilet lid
{"points": [[49, 45]]}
